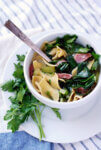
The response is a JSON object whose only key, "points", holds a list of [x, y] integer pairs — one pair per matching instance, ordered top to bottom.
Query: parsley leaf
{"points": [[20, 57], [18, 73], [8, 86], [20, 94], [23, 103], [56, 111]]}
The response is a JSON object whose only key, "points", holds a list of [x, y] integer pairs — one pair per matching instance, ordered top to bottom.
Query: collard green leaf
{"points": [[69, 38], [48, 48], [83, 50], [95, 56], [53, 61], [72, 63], [81, 66], [95, 66], [63, 67], [85, 73], [82, 80], [89, 83]]}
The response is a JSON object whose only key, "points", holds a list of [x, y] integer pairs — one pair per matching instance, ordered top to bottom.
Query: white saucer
{"points": [[57, 131]]}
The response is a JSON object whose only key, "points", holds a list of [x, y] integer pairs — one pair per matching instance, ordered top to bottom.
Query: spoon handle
{"points": [[15, 30]]}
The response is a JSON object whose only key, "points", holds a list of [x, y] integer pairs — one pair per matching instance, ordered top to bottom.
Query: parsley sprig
{"points": [[23, 103]]}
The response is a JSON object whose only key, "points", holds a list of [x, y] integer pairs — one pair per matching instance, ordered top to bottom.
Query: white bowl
{"points": [[77, 107]]}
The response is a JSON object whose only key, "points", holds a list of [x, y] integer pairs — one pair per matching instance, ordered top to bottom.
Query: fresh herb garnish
{"points": [[20, 57], [8, 86], [23, 103], [56, 111]]}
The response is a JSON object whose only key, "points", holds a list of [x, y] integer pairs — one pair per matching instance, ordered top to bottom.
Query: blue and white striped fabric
{"points": [[80, 15]]}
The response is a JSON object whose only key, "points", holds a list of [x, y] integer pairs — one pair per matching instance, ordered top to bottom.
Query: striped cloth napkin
{"points": [[83, 16]]}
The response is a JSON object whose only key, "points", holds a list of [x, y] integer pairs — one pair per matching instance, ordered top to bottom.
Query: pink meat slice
{"points": [[81, 57], [64, 75], [81, 90]]}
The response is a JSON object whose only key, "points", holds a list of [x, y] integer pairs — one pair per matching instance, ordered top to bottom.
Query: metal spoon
{"points": [[15, 30]]}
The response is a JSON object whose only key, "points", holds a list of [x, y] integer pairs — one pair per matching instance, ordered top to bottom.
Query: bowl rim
{"points": [[47, 101]]}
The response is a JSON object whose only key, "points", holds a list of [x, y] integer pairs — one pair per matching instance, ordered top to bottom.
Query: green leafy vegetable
{"points": [[69, 38], [48, 48], [83, 50], [96, 56], [20, 57], [53, 61], [72, 62], [81, 66], [95, 66], [63, 67], [18, 73], [83, 74], [84, 79], [89, 83], [8, 86], [63, 92], [20, 94], [63, 95], [23, 103], [56, 111], [37, 119]]}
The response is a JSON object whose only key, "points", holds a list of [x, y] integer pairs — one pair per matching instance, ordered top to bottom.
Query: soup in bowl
{"points": [[72, 79]]}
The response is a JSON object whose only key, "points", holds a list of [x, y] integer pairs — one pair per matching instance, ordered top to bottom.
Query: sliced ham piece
{"points": [[81, 57], [61, 61], [31, 70], [64, 75], [81, 90]]}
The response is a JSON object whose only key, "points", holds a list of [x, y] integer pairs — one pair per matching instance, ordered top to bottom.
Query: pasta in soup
{"points": [[72, 73]]}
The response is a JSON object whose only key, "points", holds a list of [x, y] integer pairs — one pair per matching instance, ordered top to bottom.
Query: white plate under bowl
{"points": [[57, 131]]}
